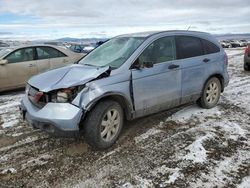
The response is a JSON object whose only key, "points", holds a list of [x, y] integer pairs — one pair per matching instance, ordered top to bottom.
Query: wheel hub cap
{"points": [[212, 93], [110, 124]]}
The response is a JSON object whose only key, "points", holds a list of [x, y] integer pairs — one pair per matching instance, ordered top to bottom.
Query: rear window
{"points": [[189, 47], [209, 47], [48, 52]]}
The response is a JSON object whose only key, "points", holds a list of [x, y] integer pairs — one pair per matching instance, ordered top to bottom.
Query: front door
{"points": [[20, 67], [158, 87]]}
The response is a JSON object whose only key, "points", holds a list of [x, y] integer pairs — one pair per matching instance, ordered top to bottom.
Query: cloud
{"points": [[112, 16], [5, 33]]}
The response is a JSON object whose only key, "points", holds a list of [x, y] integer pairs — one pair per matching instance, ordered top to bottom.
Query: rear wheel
{"points": [[246, 67], [211, 93], [104, 124]]}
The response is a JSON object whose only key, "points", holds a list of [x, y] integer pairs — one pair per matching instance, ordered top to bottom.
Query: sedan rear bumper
{"points": [[59, 119]]}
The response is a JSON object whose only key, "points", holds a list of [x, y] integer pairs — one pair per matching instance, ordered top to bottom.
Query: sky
{"points": [[52, 19]]}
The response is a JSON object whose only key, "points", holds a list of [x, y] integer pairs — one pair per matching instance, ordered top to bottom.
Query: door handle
{"points": [[206, 60], [31, 65], [173, 66]]}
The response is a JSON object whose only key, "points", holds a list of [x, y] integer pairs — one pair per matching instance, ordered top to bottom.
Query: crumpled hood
{"points": [[65, 77]]}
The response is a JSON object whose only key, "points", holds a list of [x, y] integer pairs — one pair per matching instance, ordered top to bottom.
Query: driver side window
{"points": [[159, 51], [21, 55]]}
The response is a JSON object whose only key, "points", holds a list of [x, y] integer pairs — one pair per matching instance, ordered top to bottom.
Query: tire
{"points": [[246, 67], [210, 94], [103, 124]]}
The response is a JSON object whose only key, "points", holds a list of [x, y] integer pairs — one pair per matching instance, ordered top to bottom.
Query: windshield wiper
{"points": [[90, 65]]}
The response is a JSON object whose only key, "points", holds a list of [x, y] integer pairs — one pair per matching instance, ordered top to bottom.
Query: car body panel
{"points": [[247, 55], [247, 58], [59, 62], [42, 65], [193, 70], [65, 77], [12, 79], [118, 84], [156, 88], [145, 90], [52, 114]]}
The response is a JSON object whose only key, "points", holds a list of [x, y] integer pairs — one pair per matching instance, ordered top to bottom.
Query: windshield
{"points": [[5, 51], [113, 53]]}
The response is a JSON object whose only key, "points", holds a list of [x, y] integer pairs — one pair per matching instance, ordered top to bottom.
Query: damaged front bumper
{"points": [[59, 119]]}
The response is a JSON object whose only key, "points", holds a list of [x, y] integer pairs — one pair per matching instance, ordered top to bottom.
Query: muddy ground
{"points": [[183, 147]]}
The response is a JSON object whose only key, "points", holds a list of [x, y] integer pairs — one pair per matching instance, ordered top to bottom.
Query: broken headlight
{"points": [[65, 95]]}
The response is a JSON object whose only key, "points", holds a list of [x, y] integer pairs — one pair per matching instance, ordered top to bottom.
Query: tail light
{"points": [[247, 50], [36, 97]]}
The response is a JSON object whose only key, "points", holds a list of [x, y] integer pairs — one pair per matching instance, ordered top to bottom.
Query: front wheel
{"points": [[210, 94], [104, 124]]}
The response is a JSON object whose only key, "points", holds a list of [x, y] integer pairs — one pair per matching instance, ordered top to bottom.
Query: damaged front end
{"points": [[62, 85], [40, 98], [47, 104]]}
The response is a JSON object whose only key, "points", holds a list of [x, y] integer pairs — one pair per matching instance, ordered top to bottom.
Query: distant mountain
{"points": [[227, 36], [81, 40], [2, 44]]}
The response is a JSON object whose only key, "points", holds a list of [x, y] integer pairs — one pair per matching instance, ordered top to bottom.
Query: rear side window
{"points": [[189, 47], [209, 47], [48, 52]]}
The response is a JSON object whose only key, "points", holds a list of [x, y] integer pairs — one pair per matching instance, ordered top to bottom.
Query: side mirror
{"points": [[3, 61], [137, 65]]}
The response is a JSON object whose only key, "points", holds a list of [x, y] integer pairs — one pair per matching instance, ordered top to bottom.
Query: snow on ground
{"points": [[9, 115], [182, 147], [197, 153], [245, 183]]}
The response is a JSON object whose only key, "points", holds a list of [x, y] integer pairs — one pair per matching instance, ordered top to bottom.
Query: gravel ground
{"points": [[183, 147]]}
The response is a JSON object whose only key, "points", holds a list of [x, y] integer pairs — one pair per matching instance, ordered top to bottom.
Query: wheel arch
{"points": [[221, 79], [119, 98]]}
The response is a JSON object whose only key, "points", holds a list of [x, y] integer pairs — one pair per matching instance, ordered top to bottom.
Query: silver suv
{"points": [[129, 76]]}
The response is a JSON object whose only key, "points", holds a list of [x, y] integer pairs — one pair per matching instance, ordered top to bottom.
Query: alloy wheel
{"points": [[212, 92], [110, 125]]}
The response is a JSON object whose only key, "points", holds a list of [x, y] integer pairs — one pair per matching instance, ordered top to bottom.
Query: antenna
{"points": [[188, 28]]}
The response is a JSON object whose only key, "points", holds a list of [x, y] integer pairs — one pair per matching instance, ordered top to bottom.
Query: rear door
{"points": [[191, 55], [50, 58], [58, 58], [42, 59], [20, 67], [158, 87]]}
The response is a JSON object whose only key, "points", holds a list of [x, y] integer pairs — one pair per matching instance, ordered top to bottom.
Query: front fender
{"points": [[94, 92], [115, 95]]}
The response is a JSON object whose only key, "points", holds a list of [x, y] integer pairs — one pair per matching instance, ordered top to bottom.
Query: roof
{"points": [[151, 33], [30, 45], [13, 48]]}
